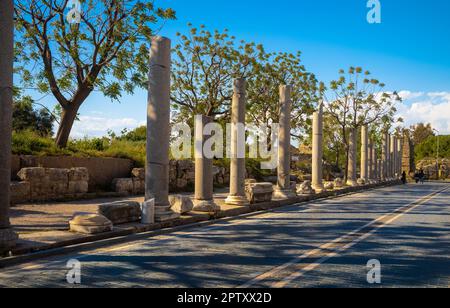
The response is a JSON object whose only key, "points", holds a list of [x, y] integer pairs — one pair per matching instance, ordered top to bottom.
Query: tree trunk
{"points": [[6, 96], [68, 116], [336, 162], [346, 164]]}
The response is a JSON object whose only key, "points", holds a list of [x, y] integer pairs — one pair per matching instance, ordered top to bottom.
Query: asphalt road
{"points": [[326, 243]]}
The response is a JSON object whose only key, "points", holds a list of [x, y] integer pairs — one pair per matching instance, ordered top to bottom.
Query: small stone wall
{"points": [[102, 170], [181, 178], [44, 184]]}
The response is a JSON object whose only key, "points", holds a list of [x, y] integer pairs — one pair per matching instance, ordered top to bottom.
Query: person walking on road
{"points": [[421, 176], [404, 177]]}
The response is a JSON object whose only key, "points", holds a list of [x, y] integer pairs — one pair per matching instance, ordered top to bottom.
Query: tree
{"points": [[106, 51], [203, 70], [273, 70], [356, 100], [25, 117], [421, 132], [333, 138], [428, 148]]}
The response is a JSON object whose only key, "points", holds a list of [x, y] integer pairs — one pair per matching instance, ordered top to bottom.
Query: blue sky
{"points": [[409, 50]]}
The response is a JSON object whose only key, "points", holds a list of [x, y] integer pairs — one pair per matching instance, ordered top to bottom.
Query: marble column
{"points": [[158, 129], [317, 150], [393, 152], [364, 154], [399, 156], [385, 157], [389, 158], [370, 161], [374, 163], [237, 165], [351, 168], [380, 170], [204, 179], [284, 189], [8, 237]]}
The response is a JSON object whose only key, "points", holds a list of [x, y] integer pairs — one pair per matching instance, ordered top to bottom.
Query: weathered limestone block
{"points": [[183, 165], [138, 173], [31, 174], [79, 174], [57, 175], [190, 176], [361, 182], [181, 183], [338, 183], [329, 185], [123, 186], [138, 186], [78, 187], [306, 188], [56, 189], [20, 192], [258, 192], [181, 204], [121, 212], [90, 224]]}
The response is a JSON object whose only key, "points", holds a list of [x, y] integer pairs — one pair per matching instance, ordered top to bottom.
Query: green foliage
{"points": [[106, 51], [203, 70], [273, 70], [357, 99], [25, 117], [421, 132], [138, 134], [31, 143], [428, 148]]}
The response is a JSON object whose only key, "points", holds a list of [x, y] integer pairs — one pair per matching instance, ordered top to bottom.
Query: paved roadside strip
{"points": [[135, 234], [283, 275]]}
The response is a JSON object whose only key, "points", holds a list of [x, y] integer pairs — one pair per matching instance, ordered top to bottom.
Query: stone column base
{"points": [[352, 183], [318, 188], [284, 194], [237, 200], [206, 206], [164, 213], [8, 240]]}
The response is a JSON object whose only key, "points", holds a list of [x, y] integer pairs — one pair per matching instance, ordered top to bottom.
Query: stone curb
{"points": [[138, 233]]}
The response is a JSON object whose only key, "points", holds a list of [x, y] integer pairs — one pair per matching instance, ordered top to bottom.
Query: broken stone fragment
{"points": [[138, 173], [338, 183], [123, 185], [329, 185], [306, 188], [258, 192], [181, 204], [121, 212], [90, 224]]}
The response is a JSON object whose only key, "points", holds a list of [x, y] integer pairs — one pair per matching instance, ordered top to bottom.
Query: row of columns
{"points": [[158, 126], [158, 136], [372, 168]]}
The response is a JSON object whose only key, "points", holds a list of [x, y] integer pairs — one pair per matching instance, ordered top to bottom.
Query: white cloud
{"points": [[407, 95], [433, 107], [95, 126]]}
